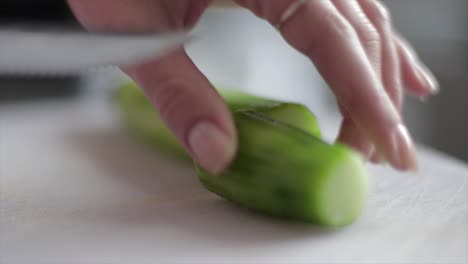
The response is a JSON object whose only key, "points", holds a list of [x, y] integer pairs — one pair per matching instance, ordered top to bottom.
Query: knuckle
{"points": [[380, 13], [334, 25], [329, 28], [370, 33], [371, 38], [396, 95], [168, 99], [360, 104], [355, 105]]}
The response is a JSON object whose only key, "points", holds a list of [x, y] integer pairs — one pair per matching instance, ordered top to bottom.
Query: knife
{"points": [[47, 50]]}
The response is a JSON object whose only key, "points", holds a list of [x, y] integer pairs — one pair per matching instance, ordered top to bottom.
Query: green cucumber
{"points": [[144, 122], [283, 171]]}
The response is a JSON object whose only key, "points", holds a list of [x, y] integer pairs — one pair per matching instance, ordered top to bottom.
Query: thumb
{"points": [[190, 107]]}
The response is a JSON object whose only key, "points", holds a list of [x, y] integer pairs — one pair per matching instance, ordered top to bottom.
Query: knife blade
{"points": [[58, 51]]}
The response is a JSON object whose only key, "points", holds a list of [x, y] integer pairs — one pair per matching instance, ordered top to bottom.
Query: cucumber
{"points": [[294, 114], [143, 121], [283, 167], [282, 171]]}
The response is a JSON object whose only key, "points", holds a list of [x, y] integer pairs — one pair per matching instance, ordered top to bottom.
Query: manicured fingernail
{"points": [[428, 78], [212, 148], [402, 152]]}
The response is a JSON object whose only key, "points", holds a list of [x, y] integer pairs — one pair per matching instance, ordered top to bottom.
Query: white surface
{"points": [[75, 189]]}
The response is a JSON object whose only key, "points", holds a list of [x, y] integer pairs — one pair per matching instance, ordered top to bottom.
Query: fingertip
{"points": [[418, 79], [429, 80], [191, 108], [352, 136], [211, 147], [399, 149], [377, 158]]}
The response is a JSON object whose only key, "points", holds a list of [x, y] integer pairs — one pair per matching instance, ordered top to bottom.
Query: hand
{"points": [[351, 42], [366, 64], [187, 102]]}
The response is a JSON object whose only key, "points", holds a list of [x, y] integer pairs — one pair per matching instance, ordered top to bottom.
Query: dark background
{"points": [[34, 9], [33, 12]]}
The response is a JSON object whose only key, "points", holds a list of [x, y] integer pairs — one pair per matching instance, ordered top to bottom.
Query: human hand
{"points": [[351, 42], [366, 63], [187, 102]]}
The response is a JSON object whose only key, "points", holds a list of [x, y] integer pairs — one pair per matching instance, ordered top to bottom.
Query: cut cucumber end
{"points": [[282, 171], [344, 193]]}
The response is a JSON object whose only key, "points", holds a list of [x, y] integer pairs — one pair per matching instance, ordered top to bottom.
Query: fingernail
{"points": [[428, 78], [212, 148], [365, 150], [402, 152], [372, 156], [378, 158]]}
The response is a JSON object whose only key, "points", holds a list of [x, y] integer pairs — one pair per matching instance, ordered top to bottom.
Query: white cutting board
{"points": [[75, 189]]}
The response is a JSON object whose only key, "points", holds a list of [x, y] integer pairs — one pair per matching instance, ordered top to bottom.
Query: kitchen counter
{"points": [[74, 188]]}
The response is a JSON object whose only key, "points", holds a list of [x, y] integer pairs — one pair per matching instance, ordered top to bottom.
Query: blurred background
{"points": [[235, 49]]}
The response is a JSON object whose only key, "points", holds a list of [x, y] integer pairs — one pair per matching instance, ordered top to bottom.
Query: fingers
{"points": [[116, 15], [142, 15], [373, 26], [365, 29], [321, 32], [390, 65], [351, 76], [391, 76], [417, 79], [187, 102], [191, 108], [350, 134]]}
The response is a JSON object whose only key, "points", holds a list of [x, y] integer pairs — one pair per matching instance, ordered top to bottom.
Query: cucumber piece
{"points": [[294, 114], [144, 122], [282, 171]]}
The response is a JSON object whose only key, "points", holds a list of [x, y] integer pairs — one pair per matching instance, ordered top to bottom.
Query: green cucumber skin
{"points": [[294, 114], [143, 121], [278, 170], [277, 188]]}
